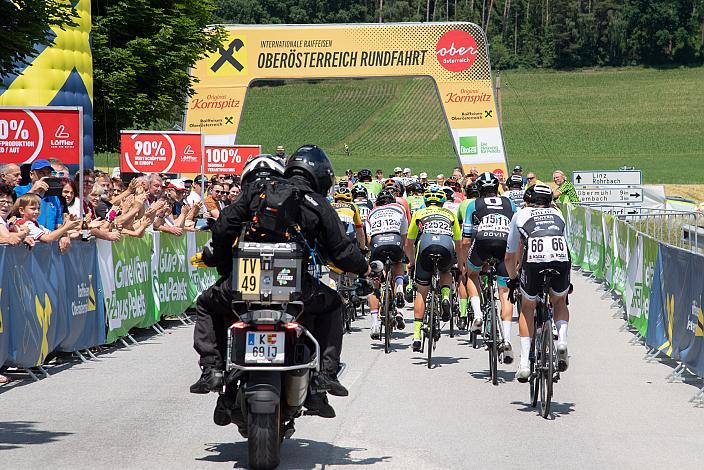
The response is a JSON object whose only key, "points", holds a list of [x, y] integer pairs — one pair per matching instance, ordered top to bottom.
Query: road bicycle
{"points": [[431, 318], [491, 330]]}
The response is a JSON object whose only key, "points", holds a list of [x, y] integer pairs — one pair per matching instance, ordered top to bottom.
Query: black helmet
{"points": [[311, 162], [262, 166], [365, 174], [515, 182], [487, 183], [414, 188], [359, 191], [471, 191], [449, 192], [539, 195], [385, 197]]}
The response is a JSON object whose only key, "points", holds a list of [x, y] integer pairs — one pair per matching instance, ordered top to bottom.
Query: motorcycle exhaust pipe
{"points": [[296, 387]]}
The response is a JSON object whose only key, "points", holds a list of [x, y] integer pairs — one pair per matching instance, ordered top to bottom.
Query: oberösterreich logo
{"points": [[456, 50]]}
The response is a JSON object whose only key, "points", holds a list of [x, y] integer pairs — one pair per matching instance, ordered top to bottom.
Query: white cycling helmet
{"points": [[262, 166]]}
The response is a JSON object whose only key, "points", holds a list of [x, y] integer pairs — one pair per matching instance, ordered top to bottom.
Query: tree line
{"points": [[142, 49]]}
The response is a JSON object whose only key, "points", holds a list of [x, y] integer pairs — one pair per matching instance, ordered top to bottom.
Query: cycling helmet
{"points": [[313, 164], [262, 166], [365, 174], [515, 182], [343, 183], [487, 183], [414, 188], [359, 191], [471, 191], [449, 192], [342, 195], [434, 195], [539, 195], [385, 197]]}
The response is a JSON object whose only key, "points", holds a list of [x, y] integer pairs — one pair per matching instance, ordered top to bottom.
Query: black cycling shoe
{"points": [[408, 294], [400, 302], [446, 307], [400, 323], [462, 323], [417, 345], [210, 381], [331, 385], [317, 405], [221, 415]]}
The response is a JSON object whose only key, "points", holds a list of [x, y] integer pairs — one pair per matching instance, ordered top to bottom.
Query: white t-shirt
{"points": [[75, 208], [390, 218]]}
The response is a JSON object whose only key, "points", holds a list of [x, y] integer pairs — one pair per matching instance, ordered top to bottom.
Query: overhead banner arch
{"points": [[454, 55]]}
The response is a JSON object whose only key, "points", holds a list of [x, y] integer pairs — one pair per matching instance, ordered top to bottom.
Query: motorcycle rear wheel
{"points": [[264, 440]]}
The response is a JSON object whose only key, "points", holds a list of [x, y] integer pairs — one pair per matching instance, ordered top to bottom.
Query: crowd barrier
{"points": [[660, 285], [93, 294]]}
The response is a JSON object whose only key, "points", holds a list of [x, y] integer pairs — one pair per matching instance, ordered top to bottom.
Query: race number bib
{"points": [[363, 212], [385, 221], [494, 223], [437, 227], [547, 249]]}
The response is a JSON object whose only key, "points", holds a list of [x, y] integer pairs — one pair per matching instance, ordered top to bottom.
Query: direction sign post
{"points": [[607, 178], [610, 195]]}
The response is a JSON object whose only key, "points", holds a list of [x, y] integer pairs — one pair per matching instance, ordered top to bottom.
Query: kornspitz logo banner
{"points": [[454, 55]]}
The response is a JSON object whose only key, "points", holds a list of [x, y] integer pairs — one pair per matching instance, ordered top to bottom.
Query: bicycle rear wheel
{"points": [[387, 315], [431, 329], [494, 348], [548, 348], [534, 380]]}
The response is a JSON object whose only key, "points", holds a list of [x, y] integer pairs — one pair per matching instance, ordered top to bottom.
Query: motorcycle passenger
{"points": [[309, 170], [486, 223], [387, 228], [438, 232], [536, 241]]}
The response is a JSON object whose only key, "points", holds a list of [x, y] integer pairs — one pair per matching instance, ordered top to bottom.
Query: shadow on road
{"points": [[438, 361], [503, 375], [557, 409], [14, 434], [295, 454]]}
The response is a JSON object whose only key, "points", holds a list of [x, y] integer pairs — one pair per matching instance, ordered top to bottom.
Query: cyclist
{"points": [[364, 178], [343, 183], [397, 189], [515, 190], [453, 191], [471, 193], [414, 196], [360, 197], [349, 215], [486, 222], [387, 228], [438, 232], [536, 241]]}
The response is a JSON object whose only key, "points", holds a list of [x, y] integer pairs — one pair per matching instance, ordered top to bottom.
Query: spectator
{"points": [[281, 152], [59, 170], [398, 172], [407, 173], [457, 173], [10, 174], [379, 174], [473, 174], [423, 178], [440, 179], [532, 180], [117, 187], [154, 187], [565, 191], [176, 193], [233, 193], [70, 194], [196, 194], [7, 199], [213, 203], [27, 208], [50, 214]]}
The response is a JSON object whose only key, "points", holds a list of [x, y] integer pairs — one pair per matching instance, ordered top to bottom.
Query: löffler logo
{"points": [[456, 50]]}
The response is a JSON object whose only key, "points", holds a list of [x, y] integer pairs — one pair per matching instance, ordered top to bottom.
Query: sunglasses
{"points": [[531, 177], [218, 192]]}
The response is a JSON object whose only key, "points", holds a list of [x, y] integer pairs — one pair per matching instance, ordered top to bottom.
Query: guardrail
{"points": [[658, 283], [93, 294]]}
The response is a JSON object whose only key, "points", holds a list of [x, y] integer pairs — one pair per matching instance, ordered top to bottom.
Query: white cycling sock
{"points": [[399, 282], [476, 306], [375, 317], [506, 324], [561, 331], [525, 351]]}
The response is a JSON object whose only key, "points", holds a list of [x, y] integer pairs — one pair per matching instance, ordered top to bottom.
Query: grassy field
{"points": [[650, 119]]}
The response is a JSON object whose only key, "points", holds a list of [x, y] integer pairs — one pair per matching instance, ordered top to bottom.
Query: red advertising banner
{"points": [[29, 133], [160, 152], [228, 159]]}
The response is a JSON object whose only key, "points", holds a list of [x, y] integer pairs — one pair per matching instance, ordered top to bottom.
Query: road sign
{"points": [[160, 152], [607, 178], [609, 195]]}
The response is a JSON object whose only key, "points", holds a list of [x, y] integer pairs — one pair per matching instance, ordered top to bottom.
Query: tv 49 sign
{"points": [[31, 133]]}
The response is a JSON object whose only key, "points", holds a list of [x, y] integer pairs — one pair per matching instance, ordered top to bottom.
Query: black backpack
{"points": [[278, 211]]}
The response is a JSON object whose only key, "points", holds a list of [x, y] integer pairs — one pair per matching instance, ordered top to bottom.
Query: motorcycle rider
{"points": [[310, 171]]}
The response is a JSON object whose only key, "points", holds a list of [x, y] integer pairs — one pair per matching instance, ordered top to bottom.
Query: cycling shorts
{"points": [[430, 244], [389, 245], [483, 250], [531, 279]]}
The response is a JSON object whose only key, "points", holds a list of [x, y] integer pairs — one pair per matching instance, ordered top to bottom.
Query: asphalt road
{"points": [[132, 409]]}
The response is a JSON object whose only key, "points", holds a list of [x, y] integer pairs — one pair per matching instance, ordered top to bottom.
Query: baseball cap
{"points": [[280, 148], [39, 164], [518, 168], [397, 169], [406, 170], [115, 172], [423, 175], [199, 179], [176, 184]]}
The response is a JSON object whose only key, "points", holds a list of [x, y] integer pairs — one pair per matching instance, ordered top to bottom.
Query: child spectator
{"points": [[27, 209]]}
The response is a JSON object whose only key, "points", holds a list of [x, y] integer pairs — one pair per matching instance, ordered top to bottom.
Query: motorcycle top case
{"points": [[267, 272]]}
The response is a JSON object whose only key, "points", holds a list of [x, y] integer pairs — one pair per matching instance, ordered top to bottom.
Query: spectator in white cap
{"points": [[397, 171], [407, 172], [440, 179], [176, 193]]}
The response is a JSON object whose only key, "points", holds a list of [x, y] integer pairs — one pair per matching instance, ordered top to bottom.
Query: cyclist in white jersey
{"points": [[515, 190]]}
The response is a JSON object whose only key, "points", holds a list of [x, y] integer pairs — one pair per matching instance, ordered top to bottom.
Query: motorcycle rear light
{"points": [[240, 325], [292, 325], [266, 327]]}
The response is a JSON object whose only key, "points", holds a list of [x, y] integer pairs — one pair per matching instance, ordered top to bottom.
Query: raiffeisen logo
{"points": [[456, 50], [468, 145]]}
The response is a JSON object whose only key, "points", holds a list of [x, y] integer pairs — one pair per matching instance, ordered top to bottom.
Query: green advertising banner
{"points": [[577, 240], [595, 243], [650, 248], [609, 251], [621, 259], [126, 275], [173, 275], [200, 279]]}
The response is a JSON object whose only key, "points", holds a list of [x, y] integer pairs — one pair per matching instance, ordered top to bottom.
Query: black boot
{"points": [[210, 381], [330, 384], [317, 405], [221, 415]]}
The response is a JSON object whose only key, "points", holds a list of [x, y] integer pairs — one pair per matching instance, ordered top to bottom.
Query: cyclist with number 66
{"points": [[438, 234], [536, 242]]}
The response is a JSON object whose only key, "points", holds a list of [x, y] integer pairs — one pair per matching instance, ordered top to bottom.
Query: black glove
{"points": [[207, 256], [364, 287], [512, 287]]}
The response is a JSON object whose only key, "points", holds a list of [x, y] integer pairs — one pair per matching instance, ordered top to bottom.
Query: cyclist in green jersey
{"points": [[364, 178], [471, 193], [414, 197], [438, 232]]}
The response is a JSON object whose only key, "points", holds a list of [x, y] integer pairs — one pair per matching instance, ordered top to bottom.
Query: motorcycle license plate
{"points": [[265, 348]]}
